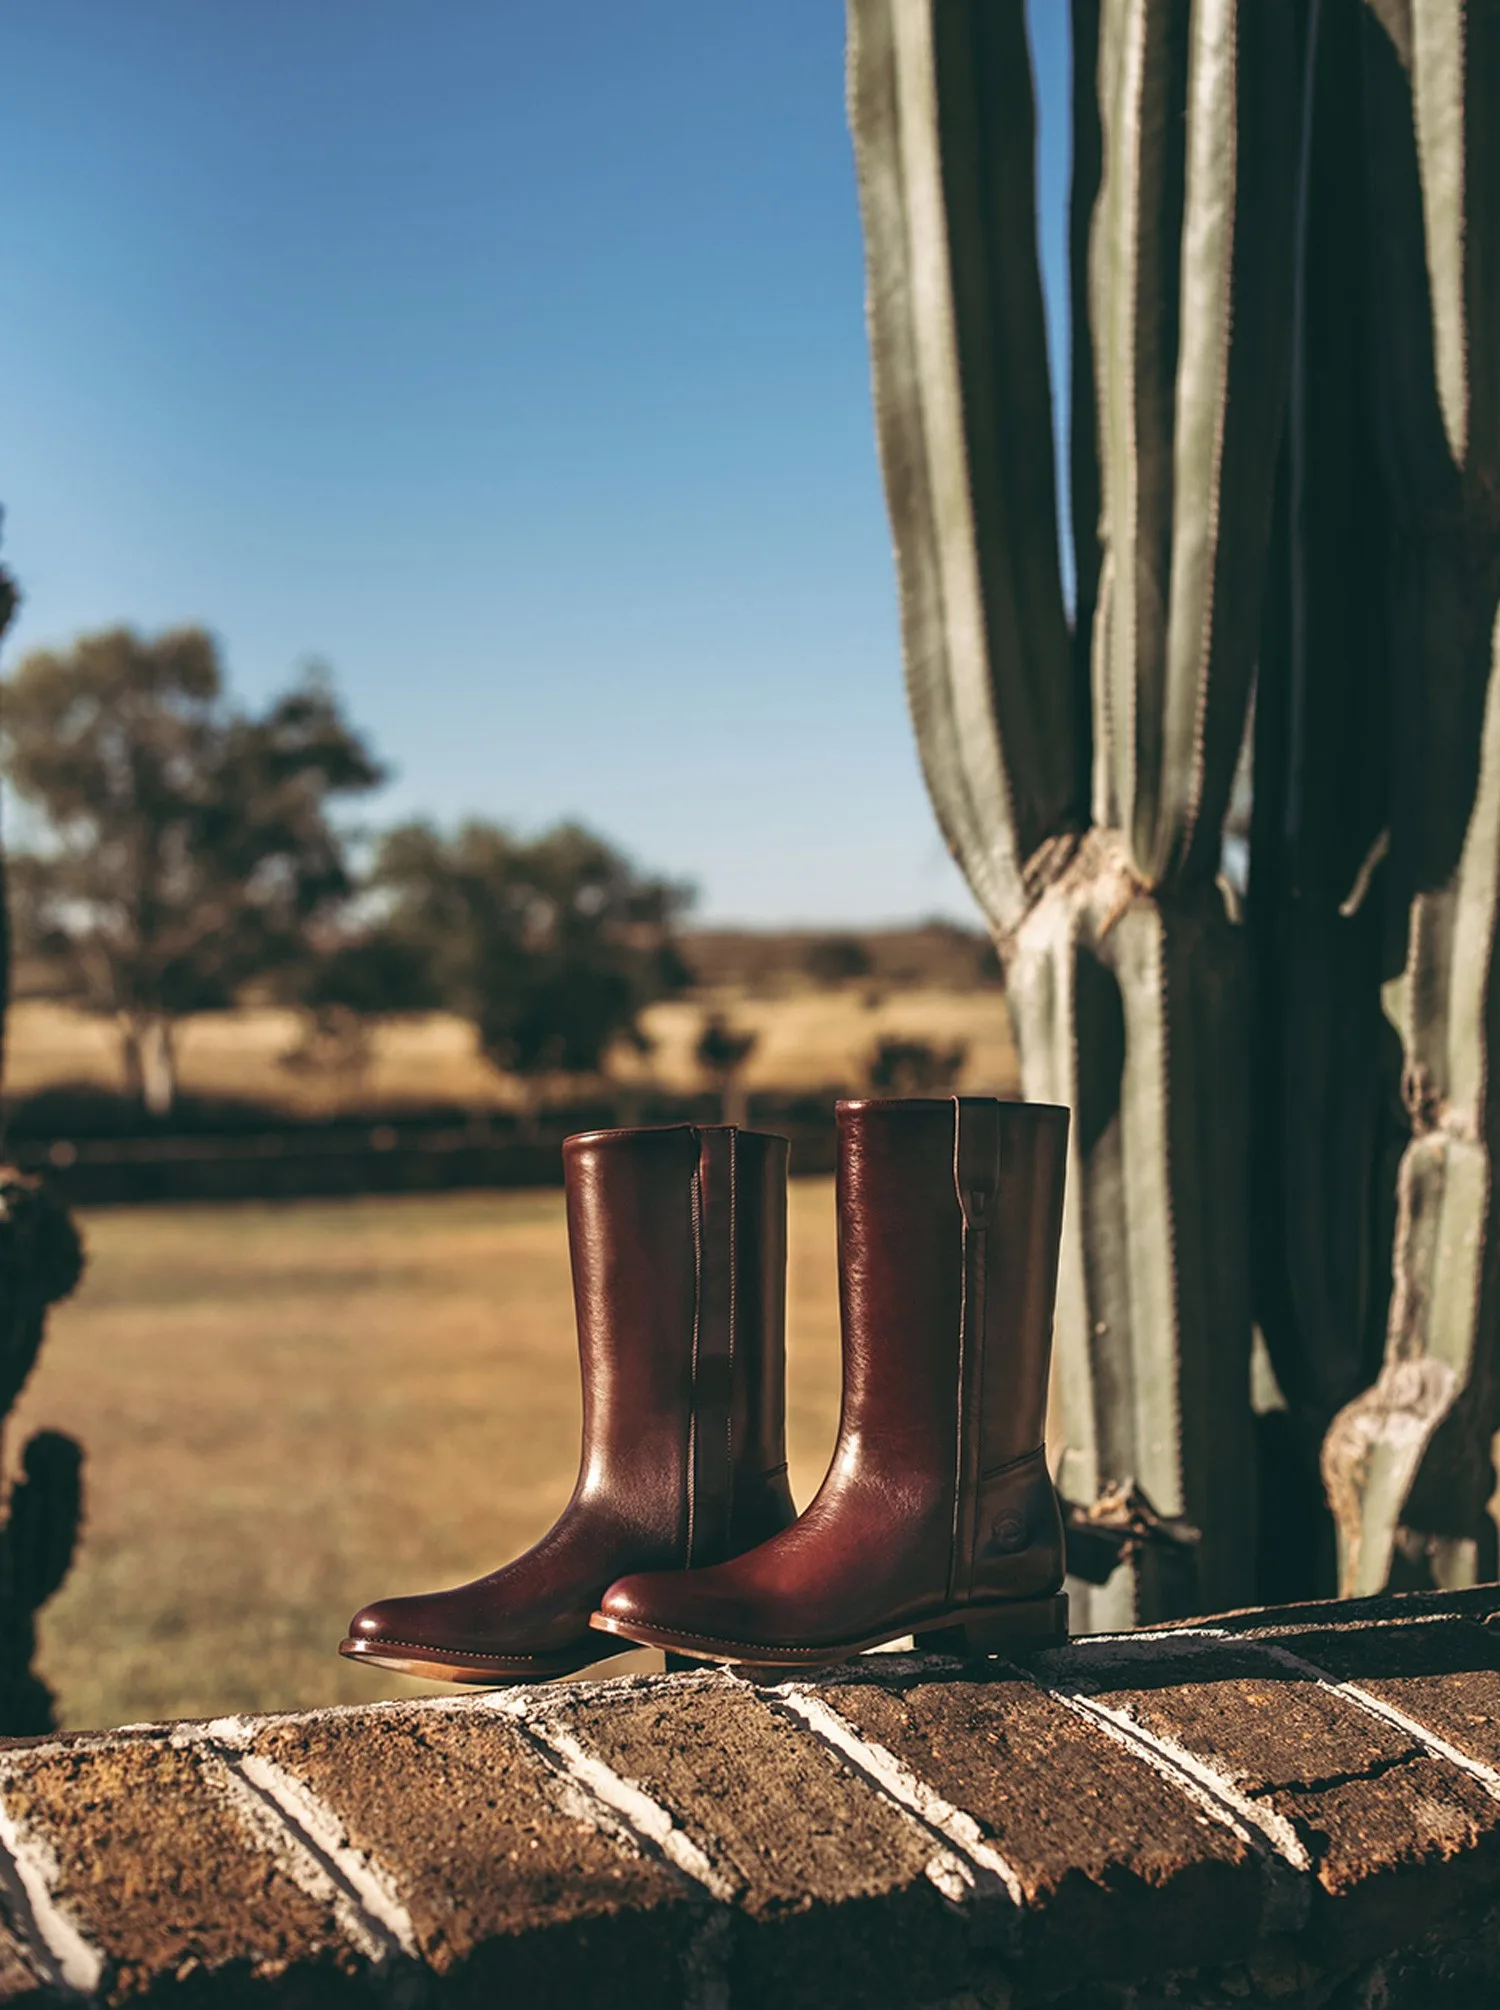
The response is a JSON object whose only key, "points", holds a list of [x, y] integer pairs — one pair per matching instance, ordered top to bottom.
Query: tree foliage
{"points": [[190, 841], [552, 946], [835, 959], [723, 1049], [902, 1066]]}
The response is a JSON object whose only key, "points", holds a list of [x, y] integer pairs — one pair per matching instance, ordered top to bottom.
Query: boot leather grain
{"points": [[677, 1239], [937, 1506]]}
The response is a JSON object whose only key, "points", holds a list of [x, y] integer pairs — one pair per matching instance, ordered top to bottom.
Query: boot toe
{"points": [[629, 1599], [692, 1603], [388, 1619]]}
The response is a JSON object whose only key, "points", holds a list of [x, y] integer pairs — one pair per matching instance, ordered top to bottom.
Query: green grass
{"points": [[289, 1410]]}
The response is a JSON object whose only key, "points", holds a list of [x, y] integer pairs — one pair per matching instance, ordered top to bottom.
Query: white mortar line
{"points": [[1094, 1653], [1388, 1713], [598, 1782], [1255, 1824], [313, 1825], [267, 1827], [953, 1875], [369, 1880], [74, 1961]]}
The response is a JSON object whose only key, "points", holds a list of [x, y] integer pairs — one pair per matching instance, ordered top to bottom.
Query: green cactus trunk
{"points": [[1088, 816], [1408, 1463]]}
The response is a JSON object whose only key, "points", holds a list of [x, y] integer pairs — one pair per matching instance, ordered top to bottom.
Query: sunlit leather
{"points": [[678, 1245], [937, 1500]]}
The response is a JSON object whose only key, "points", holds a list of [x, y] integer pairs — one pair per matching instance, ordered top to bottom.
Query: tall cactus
{"points": [[1088, 820], [41, 1260], [1409, 1463]]}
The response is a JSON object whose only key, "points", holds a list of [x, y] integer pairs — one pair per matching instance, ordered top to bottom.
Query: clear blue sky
{"points": [[509, 358]]}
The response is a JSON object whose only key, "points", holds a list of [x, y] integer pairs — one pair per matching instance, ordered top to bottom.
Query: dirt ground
{"points": [[288, 1410]]}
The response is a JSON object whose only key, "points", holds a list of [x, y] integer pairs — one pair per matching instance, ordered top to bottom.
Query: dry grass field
{"points": [[806, 1038], [288, 1410]]}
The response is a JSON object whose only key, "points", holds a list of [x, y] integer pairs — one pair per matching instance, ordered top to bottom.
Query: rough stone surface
{"points": [[1481, 1603], [1444, 1674], [1298, 1807], [1392, 1833], [1118, 1867], [157, 1869], [830, 1879], [506, 1887]]}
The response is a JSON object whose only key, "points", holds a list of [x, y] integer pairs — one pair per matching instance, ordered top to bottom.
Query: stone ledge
{"points": [[1299, 1806]]}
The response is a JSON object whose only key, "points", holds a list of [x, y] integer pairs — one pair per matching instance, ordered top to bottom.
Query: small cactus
{"points": [[41, 1260]]}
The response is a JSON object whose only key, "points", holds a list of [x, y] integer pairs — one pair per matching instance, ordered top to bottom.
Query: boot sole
{"points": [[1020, 1627], [437, 1664]]}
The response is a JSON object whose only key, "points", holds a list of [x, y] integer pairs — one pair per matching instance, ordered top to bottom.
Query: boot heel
{"points": [[1022, 1628], [681, 1664]]}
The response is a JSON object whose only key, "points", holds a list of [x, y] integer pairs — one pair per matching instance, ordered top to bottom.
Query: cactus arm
{"points": [[1437, 80], [1455, 88], [941, 112], [1190, 286], [1083, 423], [1132, 588], [1325, 1132], [41, 1260], [1413, 1452], [1408, 1464], [46, 1511]]}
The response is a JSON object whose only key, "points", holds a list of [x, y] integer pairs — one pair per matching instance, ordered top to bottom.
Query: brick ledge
{"points": [[1299, 1806]]}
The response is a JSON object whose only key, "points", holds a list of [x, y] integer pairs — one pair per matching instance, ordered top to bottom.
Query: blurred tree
{"points": [[190, 846], [552, 947], [835, 959], [350, 977], [721, 1053], [910, 1067]]}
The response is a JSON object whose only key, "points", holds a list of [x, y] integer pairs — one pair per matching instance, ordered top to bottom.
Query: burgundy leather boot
{"points": [[678, 1240], [937, 1516]]}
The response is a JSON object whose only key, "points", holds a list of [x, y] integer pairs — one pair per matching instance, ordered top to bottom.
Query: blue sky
{"points": [[508, 358]]}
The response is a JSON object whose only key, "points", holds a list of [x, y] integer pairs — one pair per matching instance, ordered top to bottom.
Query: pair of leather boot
{"points": [[937, 1517]]}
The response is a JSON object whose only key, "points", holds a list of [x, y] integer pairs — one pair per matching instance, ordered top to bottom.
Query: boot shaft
{"points": [[949, 1219], [678, 1246]]}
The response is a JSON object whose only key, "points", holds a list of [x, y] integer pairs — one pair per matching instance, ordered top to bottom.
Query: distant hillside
{"points": [[937, 955]]}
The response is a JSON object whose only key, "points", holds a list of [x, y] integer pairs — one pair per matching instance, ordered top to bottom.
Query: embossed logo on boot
{"points": [[1008, 1532]]}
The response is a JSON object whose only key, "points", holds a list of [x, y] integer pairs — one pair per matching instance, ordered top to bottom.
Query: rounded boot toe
{"points": [[629, 1600], [690, 1604], [388, 1619]]}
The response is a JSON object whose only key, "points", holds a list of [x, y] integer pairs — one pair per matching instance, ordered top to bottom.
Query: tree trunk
{"points": [[150, 1059]]}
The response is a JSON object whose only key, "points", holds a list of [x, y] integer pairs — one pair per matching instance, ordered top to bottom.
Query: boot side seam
{"points": [[976, 1151]]}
